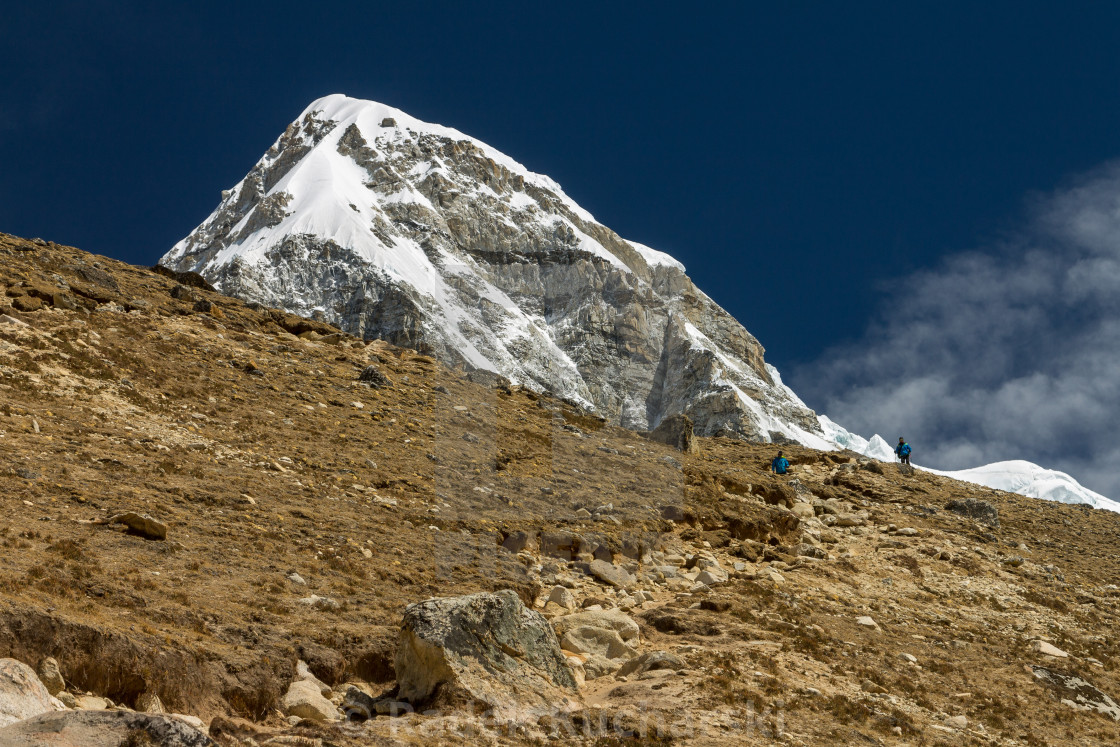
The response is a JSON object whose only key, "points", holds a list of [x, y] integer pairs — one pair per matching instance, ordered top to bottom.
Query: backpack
{"points": [[905, 450]]}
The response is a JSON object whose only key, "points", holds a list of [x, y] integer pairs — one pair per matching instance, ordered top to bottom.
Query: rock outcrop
{"points": [[419, 235]]}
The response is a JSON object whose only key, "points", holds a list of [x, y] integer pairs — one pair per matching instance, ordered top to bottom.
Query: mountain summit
{"points": [[417, 234]]}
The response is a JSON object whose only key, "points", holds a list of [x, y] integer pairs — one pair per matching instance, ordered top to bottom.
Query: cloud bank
{"points": [[1009, 352]]}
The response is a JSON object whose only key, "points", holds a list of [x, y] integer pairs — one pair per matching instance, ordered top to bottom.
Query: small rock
{"points": [[372, 377], [672, 513], [851, 520], [140, 525], [611, 574], [771, 575], [712, 577], [295, 578], [563, 597], [321, 603], [867, 622], [1047, 649], [910, 658], [651, 661], [303, 674], [50, 676], [872, 687], [304, 699], [149, 702], [92, 703], [957, 722]]}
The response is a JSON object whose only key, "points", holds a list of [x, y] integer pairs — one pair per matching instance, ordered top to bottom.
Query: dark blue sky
{"points": [[794, 156]]}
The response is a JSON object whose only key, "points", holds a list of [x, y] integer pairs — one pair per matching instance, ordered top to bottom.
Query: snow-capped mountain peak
{"points": [[399, 229]]}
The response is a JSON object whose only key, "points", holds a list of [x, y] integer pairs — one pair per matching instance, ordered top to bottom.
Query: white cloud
{"points": [[1010, 352]]}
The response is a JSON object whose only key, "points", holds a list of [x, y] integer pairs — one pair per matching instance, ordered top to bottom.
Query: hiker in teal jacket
{"points": [[903, 450], [780, 465]]}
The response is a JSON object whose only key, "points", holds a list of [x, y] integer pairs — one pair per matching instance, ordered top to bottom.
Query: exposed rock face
{"points": [[416, 234], [487, 648]]}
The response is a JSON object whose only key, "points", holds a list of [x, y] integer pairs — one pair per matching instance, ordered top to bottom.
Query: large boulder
{"points": [[487, 648], [22, 695], [102, 729]]}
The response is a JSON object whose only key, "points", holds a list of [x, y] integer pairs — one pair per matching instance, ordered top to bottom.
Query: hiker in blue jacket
{"points": [[903, 450], [780, 465]]}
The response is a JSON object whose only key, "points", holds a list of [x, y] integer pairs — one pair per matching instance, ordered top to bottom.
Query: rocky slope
{"points": [[397, 229], [307, 501]]}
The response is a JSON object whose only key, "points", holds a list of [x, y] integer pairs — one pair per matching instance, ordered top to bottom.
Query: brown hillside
{"points": [[281, 477]]}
